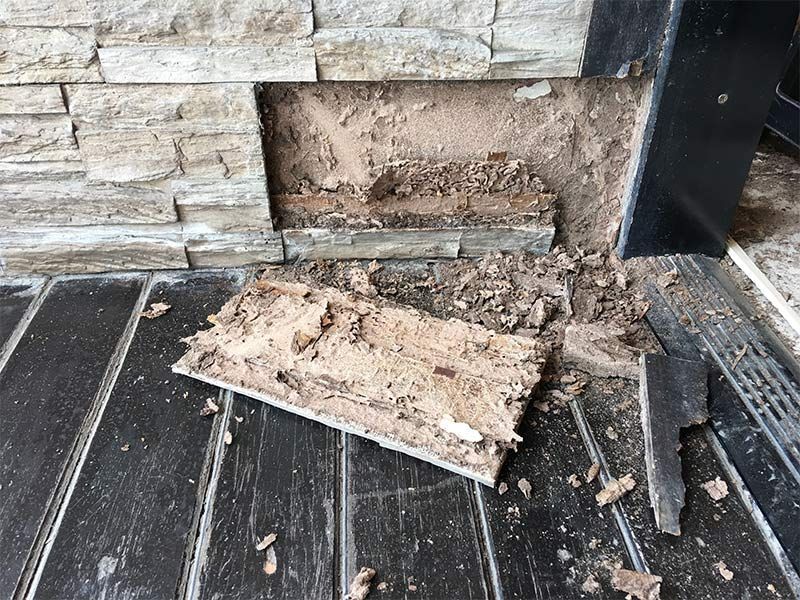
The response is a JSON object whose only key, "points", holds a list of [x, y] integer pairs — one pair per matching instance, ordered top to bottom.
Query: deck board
{"points": [[14, 301], [46, 390], [278, 476], [409, 519], [127, 526], [710, 531], [547, 546]]}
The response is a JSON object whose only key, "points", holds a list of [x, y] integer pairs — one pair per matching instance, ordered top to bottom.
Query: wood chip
{"points": [[667, 279], [156, 310], [739, 356], [209, 408], [238, 419], [228, 438], [125, 447], [592, 472], [574, 481], [525, 487], [502, 488], [716, 488], [615, 489], [268, 540], [270, 561], [726, 573], [591, 585], [639, 585], [359, 587]]}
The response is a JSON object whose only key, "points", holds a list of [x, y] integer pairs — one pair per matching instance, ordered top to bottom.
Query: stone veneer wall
{"points": [[129, 132]]}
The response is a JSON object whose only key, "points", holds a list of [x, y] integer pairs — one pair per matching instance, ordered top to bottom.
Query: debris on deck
{"points": [[156, 310], [597, 349], [447, 392], [672, 394], [209, 408], [525, 487], [716, 488], [615, 489], [266, 542], [723, 569], [643, 586], [359, 587]]}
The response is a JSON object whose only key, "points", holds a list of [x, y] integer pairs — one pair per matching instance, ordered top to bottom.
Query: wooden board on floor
{"points": [[14, 300], [46, 390], [278, 476], [131, 515], [409, 519], [710, 531], [547, 546]]}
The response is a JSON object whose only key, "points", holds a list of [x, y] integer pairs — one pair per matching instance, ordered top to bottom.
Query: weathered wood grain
{"points": [[54, 13], [437, 14], [203, 22], [538, 39], [376, 53], [48, 55], [200, 64], [31, 100], [227, 107], [27, 138], [15, 172], [76, 202], [313, 244], [93, 249], [233, 249], [46, 390], [444, 391], [672, 395], [278, 476], [129, 519], [409, 519], [546, 547]]}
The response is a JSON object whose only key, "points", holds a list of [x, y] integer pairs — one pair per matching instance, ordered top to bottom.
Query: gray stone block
{"points": [[48, 55]]}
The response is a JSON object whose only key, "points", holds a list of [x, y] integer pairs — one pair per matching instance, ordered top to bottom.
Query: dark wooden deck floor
{"points": [[113, 486]]}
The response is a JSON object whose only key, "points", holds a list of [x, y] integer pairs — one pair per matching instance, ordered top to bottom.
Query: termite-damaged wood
{"points": [[444, 391], [672, 394]]}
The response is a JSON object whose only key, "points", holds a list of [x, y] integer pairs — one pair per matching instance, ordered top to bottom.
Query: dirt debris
{"points": [[667, 279], [156, 310], [597, 348], [739, 356], [209, 408], [228, 438], [592, 472], [574, 481], [525, 487], [502, 488], [716, 488], [615, 489], [270, 566], [590, 584], [639, 585], [412, 586], [359, 587]]}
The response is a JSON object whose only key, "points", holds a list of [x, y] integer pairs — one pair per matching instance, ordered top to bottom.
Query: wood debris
{"points": [[667, 279], [156, 310], [597, 349], [739, 356], [447, 392], [672, 395], [209, 408], [228, 438], [125, 447], [592, 472], [574, 481], [525, 487], [502, 488], [717, 488], [615, 489], [267, 541], [270, 561], [723, 569], [591, 585], [639, 585], [412, 586], [359, 587]]}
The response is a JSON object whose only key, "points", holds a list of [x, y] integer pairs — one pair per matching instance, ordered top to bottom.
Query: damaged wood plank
{"points": [[313, 244], [597, 349], [372, 371], [46, 392], [672, 394], [279, 475], [131, 518], [408, 518]]}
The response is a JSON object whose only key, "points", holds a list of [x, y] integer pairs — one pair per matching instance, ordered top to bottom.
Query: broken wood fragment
{"points": [[156, 310], [597, 349], [447, 392], [672, 394], [209, 408], [592, 472], [525, 487], [502, 488], [716, 488], [615, 489], [268, 540], [723, 569], [643, 586], [359, 587]]}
